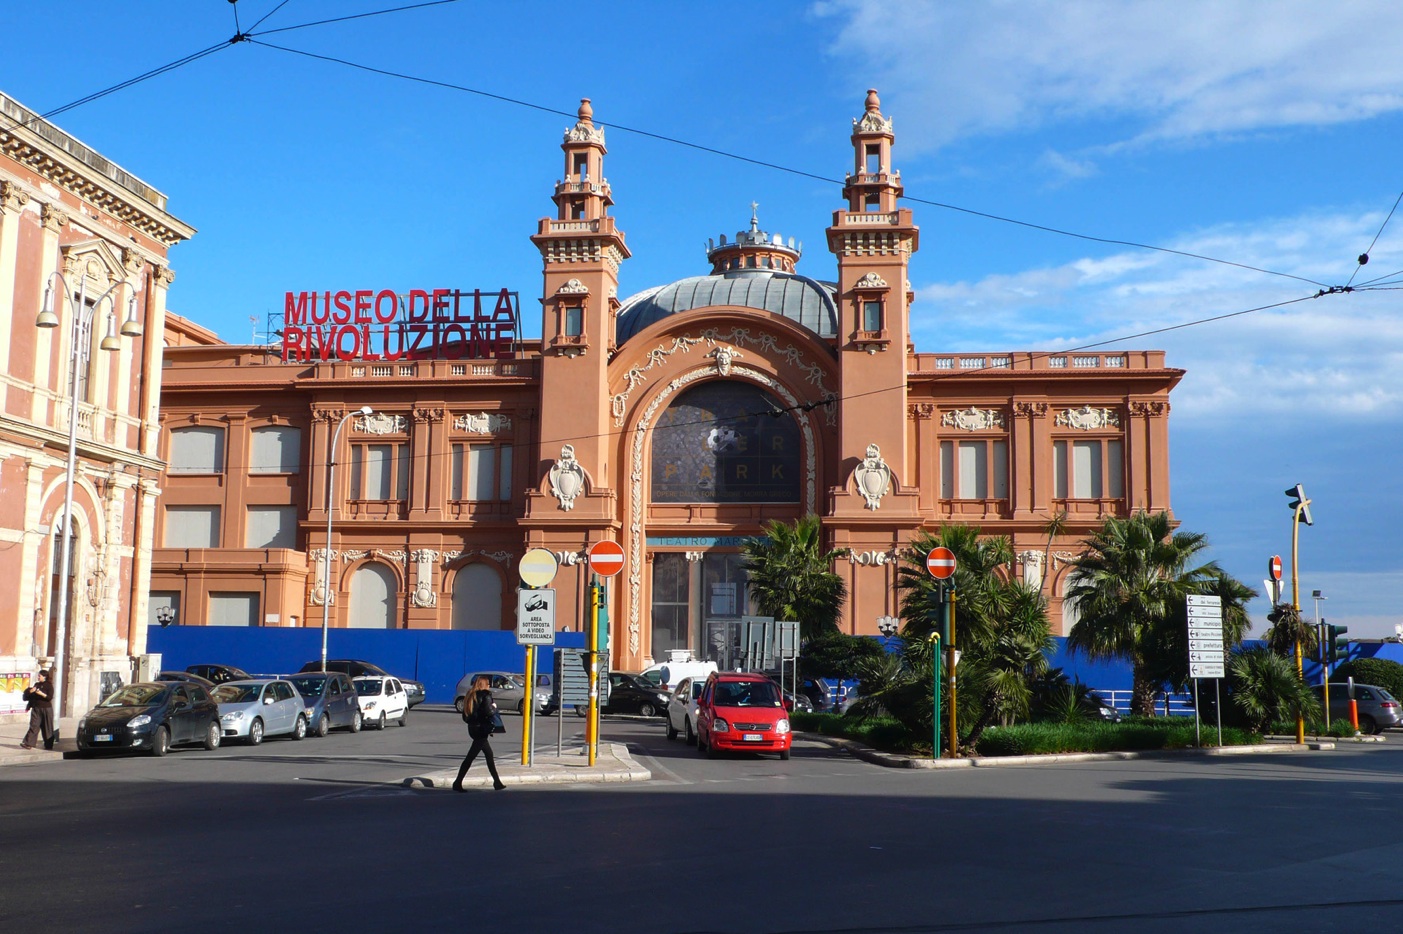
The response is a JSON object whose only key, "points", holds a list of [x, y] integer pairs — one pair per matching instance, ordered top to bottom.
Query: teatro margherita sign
{"points": [[382, 324]]}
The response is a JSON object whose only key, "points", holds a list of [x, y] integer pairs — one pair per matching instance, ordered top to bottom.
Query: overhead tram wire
{"points": [[265, 16], [342, 19], [186, 60], [448, 85], [1364, 257]]}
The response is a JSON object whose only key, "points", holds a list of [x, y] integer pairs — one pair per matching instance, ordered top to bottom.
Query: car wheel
{"points": [[458, 704], [521, 707], [582, 710], [647, 710], [404, 717], [356, 722], [380, 724], [1367, 724], [323, 725], [299, 729], [671, 730], [255, 732], [213, 735], [691, 736], [160, 742], [710, 748], [784, 755]]}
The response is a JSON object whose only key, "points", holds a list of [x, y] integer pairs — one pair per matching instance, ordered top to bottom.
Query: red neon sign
{"points": [[381, 324]]}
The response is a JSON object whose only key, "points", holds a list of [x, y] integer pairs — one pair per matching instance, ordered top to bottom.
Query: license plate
{"points": [[754, 737], [100, 738]]}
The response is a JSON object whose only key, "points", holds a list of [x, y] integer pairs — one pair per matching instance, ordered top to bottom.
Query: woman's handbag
{"points": [[497, 725]]}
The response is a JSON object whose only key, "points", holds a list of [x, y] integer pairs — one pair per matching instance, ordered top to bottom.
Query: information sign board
{"points": [[535, 617], [1205, 620]]}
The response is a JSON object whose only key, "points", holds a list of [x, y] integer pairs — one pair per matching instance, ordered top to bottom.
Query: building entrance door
{"points": [[695, 598]]}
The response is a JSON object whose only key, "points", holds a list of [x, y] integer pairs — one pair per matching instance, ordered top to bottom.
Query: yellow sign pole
{"points": [[1296, 602], [527, 710], [592, 723]]}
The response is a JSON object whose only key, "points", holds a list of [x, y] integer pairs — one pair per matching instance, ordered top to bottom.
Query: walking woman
{"points": [[477, 713]]}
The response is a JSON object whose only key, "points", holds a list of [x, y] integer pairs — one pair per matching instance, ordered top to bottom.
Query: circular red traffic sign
{"points": [[606, 558], [941, 563], [1275, 566]]}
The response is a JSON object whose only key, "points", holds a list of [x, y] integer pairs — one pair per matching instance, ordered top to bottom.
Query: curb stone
{"points": [[896, 761], [613, 764]]}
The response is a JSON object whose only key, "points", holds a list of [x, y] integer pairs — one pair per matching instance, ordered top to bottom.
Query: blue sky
{"points": [[1262, 134]]}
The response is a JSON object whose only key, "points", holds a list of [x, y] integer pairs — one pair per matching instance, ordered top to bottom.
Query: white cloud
{"points": [[1179, 70], [1337, 355]]}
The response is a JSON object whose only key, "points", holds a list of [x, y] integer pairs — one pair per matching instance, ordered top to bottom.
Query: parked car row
{"points": [[187, 707]]}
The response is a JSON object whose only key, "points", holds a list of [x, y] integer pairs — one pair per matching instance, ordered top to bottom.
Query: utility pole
{"points": [[1300, 507]]}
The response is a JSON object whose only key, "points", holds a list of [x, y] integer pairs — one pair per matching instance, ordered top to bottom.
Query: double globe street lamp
{"points": [[77, 305]]}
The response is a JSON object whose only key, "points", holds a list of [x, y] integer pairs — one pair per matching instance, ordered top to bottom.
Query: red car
{"points": [[742, 713]]}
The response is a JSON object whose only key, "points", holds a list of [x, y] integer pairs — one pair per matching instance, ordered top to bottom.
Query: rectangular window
{"points": [[873, 163], [581, 165], [872, 204], [872, 316], [574, 321], [84, 373], [276, 449], [197, 450], [999, 457], [974, 469], [1059, 469], [1086, 469], [947, 470], [1115, 470], [372, 471], [402, 472], [482, 472], [504, 473], [456, 486], [192, 527], [271, 527], [672, 575], [233, 609]]}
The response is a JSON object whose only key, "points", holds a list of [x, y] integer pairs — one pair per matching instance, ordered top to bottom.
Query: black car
{"points": [[357, 668], [219, 674], [187, 676], [627, 694], [153, 716]]}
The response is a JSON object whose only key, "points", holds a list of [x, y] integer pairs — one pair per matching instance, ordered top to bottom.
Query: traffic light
{"points": [[1299, 501], [1336, 642]]}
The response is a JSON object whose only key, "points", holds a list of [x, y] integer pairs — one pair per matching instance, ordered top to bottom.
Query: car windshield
{"points": [[368, 685], [309, 687], [237, 693], [747, 694], [136, 695]]}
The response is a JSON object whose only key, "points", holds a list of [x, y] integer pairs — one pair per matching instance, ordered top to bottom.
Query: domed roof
{"points": [[805, 301]]}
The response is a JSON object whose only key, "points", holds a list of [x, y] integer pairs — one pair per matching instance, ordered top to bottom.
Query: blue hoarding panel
{"points": [[434, 656]]}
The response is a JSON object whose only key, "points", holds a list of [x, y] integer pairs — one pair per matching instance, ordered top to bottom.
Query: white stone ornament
{"points": [[870, 281], [724, 357], [972, 419], [1088, 419], [483, 423], [380, 424], [873, 477], [567, 478], [423, 595]]}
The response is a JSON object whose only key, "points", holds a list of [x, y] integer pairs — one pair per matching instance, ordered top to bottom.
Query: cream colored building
{"points": [[98, 237]]}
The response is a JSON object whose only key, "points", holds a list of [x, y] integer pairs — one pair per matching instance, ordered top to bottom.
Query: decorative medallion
{"points": [[870, 281], [573, 287], [724, 357], [973, 419], [1088, 419], [380, 424], [483, 424], [873, 477], [567, 478]]}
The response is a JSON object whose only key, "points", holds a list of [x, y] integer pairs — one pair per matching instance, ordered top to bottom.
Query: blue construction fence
{"points": [[436, 657]]}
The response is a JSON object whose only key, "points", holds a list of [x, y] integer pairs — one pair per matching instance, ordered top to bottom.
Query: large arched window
{"points": [[721, 443], [477, 598], [373, 601]]}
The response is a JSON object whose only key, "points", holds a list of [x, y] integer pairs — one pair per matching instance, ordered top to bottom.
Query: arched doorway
{"points": [[477, 598], [374, 603]]}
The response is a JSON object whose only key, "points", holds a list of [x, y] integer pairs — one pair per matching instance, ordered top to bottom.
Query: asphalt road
{"points": [[318, 835]]}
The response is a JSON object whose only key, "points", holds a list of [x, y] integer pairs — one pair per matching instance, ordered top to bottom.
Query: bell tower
{"points": [[873, 240], [581, 249]]}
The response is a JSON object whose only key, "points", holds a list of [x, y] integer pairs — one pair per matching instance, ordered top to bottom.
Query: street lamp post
{"points": [[48, 318], [1300, 508], [326, 554]]}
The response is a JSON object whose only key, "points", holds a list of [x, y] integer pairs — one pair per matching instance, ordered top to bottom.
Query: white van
{"points": [[665, 676]]}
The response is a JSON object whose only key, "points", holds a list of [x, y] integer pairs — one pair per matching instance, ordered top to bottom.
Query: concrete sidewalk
{"points": [[12, 734], [612, 763]]}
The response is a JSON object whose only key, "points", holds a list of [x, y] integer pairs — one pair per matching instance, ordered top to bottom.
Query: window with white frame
{"points": [[275, 449], [196, 450], [976, 469], [1088, 469], [380, 472], [482, 472], [192, 527], [271, 527]]}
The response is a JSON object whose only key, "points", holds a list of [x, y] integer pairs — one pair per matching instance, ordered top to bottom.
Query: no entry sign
{"points": [[606, 558], [941, 563], [1274, 567]]}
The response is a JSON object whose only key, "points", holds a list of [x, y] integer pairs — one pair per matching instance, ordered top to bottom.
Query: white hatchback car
{"points": [[381, 699], [682, 709]]}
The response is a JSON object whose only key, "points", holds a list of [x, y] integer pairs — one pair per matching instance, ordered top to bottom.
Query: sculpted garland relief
{"points": [[1087, 418], [973, 419]]}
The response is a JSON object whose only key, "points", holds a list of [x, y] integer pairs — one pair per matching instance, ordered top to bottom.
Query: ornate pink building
{"points": [[676, 421]]}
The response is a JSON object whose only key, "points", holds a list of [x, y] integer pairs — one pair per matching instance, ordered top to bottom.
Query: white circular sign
{"points": [[538, 567]]}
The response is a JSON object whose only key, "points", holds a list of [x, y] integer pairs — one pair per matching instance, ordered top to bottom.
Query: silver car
{"points": [[508, 690], [682, 709], [250, 710]]}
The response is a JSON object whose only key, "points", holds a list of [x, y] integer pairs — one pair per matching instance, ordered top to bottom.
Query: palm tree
{"points": [[1054, 527], [982, 566], [791, 576], [1129, 589], [1288, 630], [997, 673], [1267, 690]]}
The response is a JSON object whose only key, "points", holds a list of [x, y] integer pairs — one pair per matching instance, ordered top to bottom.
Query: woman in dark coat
{"points": [[477, 713]]}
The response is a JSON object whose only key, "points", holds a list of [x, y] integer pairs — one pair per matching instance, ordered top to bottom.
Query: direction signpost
{"points": [[605, 559], [537, 568], [1206, 655]]}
